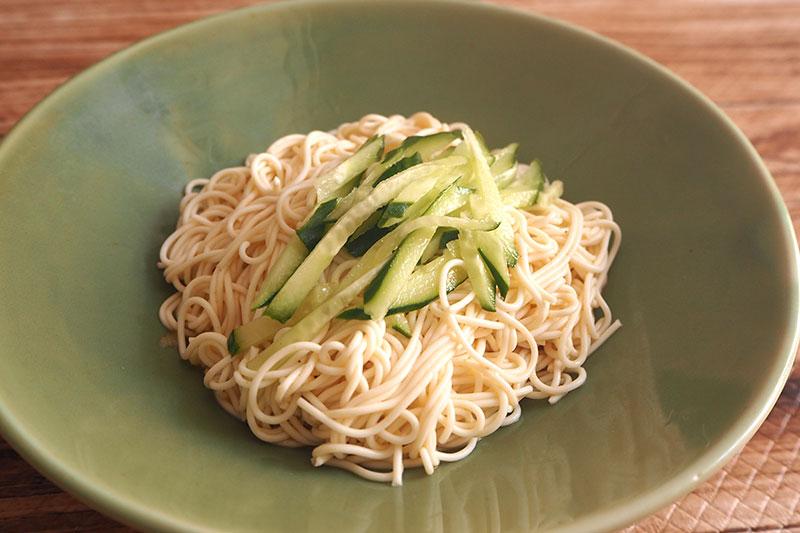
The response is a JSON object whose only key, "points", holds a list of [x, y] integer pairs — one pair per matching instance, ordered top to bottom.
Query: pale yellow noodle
{"points": [[367, 399]]}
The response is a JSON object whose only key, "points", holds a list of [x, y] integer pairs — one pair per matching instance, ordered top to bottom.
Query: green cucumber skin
{"points": [[426, 145], [397, 167], [393, 210], [371, 222], [314, 229], [448, 236], [361, 244], [434, 245], [290, 259], [396, 270], [425, 277], [454, 279], [499, 280], [376, 283], [483, 284], [355, 313], [358, 313], [402, 329], [233, 345]]}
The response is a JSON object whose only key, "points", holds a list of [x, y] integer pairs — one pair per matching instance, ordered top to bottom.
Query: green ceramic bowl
{"points": [[706, 282]]}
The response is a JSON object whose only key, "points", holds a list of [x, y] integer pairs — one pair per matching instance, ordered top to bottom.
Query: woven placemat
{"points": [[759, 490]]}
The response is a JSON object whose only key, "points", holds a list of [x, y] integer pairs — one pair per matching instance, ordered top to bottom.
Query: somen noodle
{"points": [[365, 397]]}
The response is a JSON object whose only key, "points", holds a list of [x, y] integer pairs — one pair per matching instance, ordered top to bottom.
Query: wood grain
{"points": [[744, 54]]}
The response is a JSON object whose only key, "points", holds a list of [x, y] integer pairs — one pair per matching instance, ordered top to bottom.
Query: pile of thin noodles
{"points": [[363, 396]]}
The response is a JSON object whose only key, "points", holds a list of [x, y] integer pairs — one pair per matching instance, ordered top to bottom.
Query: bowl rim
{"points": [[118, 505]]}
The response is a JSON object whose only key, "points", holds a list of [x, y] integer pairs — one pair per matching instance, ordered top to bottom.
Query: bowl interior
{"points": [[705, 283]]}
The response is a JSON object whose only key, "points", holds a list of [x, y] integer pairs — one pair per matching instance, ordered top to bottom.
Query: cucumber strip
{"points": [[481, 143], [426, 146], [504, 159], [400, 166], [347, 171], [505, 178], [530, 180], [335, 185], [525, 189], [551, 193], [519, 199], [413, 201], [397, 212], [393, 213], [367, 225], [312, 231], [366, 235], [437, 244], [359, 246], [434, 246], [497, 246], [383, 249], [492, 251], [291, 258], [501, 279], [388, 283], [483, 284], [423, 285], [422, 288], [383, 290], [369, 292], [320, 293], [289, 297], [355, 313], [312, 323], [400, 324], [263, 328], [259, 330]]}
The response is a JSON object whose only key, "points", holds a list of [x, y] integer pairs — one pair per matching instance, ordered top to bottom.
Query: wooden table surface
{"points": [[744, 54]]}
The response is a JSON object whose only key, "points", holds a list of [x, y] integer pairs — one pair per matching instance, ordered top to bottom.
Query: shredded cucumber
{"points": [[423, 146], [504, 159], [330, 185], [523, 191], [405, 214], [497, 246], [383, 249], [291, 258], [482, 281], [387, 285], [422, 288], [288, 298], [313, 322], [400, 324], [257, 331]]}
